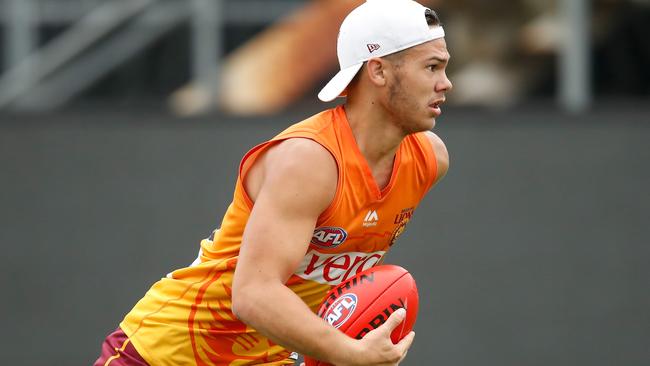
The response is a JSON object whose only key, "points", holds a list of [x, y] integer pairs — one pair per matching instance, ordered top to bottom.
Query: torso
{"points": [[186, 317]]}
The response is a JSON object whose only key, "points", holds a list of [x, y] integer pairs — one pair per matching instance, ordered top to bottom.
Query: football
{"points": [[364, 302]]}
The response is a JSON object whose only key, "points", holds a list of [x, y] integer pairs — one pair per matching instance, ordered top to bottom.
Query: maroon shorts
{"points": [[117, 350]]}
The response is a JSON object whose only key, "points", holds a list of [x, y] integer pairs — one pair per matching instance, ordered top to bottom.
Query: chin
{"points": [[429, 124], [421, 126]]}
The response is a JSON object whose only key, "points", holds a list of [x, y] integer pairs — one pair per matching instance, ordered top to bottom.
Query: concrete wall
{"points": [[534, 250]]}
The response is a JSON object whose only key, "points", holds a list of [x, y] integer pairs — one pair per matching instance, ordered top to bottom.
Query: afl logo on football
{"points": [[328, 237], [341, 310]]}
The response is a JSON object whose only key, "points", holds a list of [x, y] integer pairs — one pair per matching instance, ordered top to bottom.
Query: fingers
{"points": [[395, 319], [405, 343]]}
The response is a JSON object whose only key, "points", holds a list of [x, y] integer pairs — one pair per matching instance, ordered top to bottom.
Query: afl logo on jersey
{"points": [[328, 237], [341, 310]]}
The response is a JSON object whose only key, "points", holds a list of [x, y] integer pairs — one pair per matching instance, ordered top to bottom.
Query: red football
{"points": [[364, 302]]}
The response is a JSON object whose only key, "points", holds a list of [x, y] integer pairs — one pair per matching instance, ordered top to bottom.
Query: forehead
{"points": [[436, 48]]}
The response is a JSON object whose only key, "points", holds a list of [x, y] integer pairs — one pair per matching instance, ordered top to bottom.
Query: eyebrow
{"points": [[437, 58]]}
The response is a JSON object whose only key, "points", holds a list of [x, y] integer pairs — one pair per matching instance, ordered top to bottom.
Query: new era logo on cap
{"points": [[372, 47]]}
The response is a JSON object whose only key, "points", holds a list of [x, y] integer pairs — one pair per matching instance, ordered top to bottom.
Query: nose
{"points": [[444, 85]]}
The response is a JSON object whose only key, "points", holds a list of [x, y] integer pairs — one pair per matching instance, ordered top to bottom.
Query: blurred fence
{"points": [[225, 53]]}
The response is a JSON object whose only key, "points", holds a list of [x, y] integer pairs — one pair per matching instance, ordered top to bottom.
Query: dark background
{"points": [[532, 251]]}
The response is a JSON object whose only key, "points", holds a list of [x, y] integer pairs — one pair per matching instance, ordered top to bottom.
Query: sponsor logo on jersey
{"points": [[371, 219], [328, 237], [335, 268], [341, 310]]}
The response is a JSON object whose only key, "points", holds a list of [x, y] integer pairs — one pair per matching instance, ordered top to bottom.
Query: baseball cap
{"points": [[377, 28]]}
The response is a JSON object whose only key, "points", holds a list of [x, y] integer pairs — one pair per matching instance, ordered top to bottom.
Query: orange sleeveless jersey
{"points": [[186, 318]]}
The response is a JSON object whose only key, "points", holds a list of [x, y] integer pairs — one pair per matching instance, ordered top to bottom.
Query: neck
{"points": [[376, 134]]}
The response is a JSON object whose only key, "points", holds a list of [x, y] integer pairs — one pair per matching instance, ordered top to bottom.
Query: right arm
{"points": [[291, 185]]}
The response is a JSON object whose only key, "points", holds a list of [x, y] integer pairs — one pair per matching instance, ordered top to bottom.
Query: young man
{"points": [[315, 205]]}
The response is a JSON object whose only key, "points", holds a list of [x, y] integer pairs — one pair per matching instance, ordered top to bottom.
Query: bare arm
{"points": [[442, 156], [291, 185]]}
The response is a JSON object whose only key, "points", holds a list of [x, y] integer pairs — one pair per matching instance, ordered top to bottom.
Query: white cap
{"points": [[374, 29]]}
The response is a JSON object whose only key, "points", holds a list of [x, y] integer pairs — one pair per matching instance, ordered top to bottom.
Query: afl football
{"points": [[364, 302]]}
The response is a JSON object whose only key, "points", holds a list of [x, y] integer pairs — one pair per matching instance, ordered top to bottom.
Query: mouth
{"points": [[435, 107]]}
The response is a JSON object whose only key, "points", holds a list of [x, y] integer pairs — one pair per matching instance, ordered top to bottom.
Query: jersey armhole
{"points": [[255, 152]]}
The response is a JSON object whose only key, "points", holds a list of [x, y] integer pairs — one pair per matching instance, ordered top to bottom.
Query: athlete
{"points": [[320, 202]]}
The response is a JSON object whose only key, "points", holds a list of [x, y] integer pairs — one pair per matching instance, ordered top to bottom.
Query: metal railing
{"points": [[105, 33]]}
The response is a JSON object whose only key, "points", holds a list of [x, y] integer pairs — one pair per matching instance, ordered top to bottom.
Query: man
{"points": [[317, 204]]}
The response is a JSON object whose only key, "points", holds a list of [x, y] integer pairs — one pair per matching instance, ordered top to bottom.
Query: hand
{"points": [[377, 349], [380, 349]]}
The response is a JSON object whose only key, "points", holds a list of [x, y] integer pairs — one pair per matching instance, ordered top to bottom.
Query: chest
{"points": [[382, 173], [365, 219], [360, 228], [341, 249]]}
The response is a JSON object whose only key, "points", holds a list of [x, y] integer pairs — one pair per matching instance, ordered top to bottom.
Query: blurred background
{"points": [[122, 123]]}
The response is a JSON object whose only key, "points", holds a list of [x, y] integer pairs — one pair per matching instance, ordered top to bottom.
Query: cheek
{"points": [[428, 83], [421, 86], [410, 95], [405, 100]]}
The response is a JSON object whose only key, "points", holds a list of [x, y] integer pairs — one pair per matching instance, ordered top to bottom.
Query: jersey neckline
{"points": [[369, 179]]}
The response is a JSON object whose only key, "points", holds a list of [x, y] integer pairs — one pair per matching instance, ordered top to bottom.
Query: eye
{"points": [[432, 67]]}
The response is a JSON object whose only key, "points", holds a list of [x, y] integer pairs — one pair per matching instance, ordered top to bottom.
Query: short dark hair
{"points": [[431, 17]]}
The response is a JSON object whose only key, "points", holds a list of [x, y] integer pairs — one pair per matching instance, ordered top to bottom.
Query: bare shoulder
{"points": [[442, 155], [301, 156], [296, 164]]}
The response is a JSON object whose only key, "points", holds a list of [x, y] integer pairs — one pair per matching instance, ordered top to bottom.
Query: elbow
{"points": [[242, 301]]}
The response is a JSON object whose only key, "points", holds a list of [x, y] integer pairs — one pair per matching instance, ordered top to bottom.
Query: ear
{"points": [[376, 70]]}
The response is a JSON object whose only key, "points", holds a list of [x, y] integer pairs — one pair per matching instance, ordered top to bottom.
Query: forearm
{"points": [[278, 313]]}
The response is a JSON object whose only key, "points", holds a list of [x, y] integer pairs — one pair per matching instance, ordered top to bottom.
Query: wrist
{"points": [[348, 351]]}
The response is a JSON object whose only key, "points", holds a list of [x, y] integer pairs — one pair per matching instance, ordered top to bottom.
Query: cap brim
{"points": [[339, 82]]}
